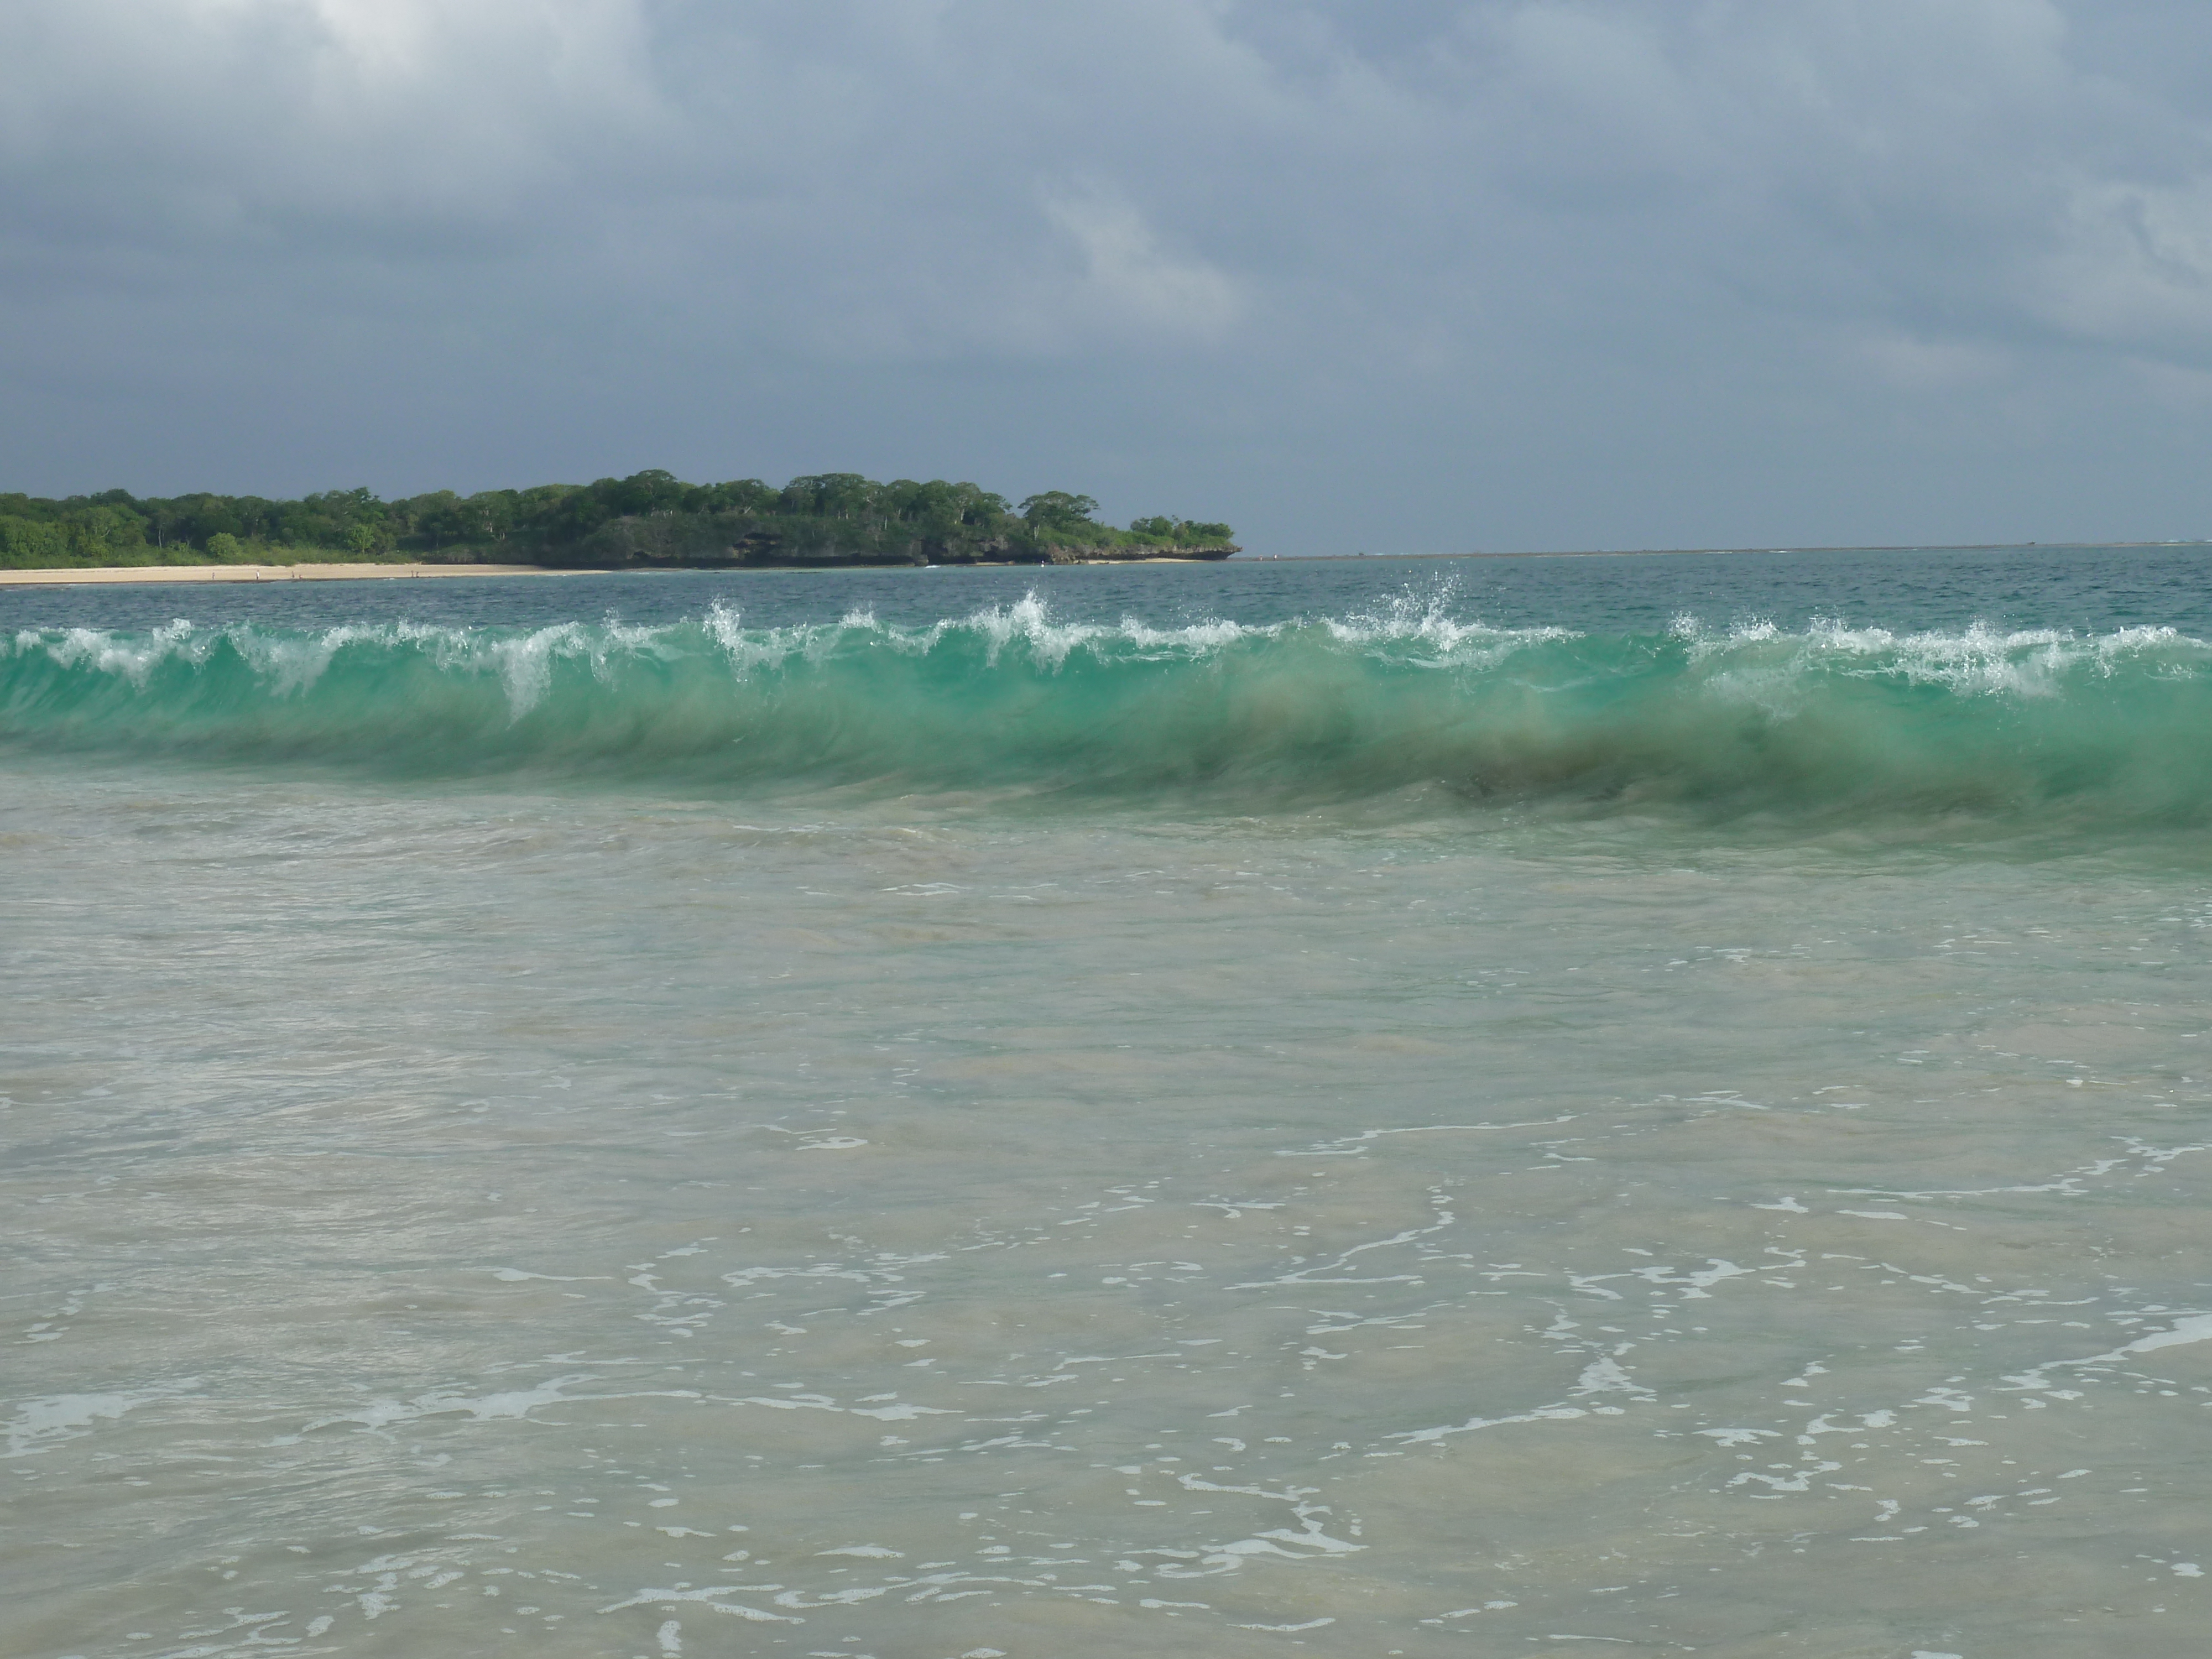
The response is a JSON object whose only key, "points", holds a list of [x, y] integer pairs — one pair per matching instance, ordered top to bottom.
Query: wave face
{"points": [[2116, 729]]}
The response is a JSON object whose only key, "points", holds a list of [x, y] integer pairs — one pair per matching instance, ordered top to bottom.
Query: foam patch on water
{"points": [[39, 1425]]}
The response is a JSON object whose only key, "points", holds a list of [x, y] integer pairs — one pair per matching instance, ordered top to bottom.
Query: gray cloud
{"points": [[1500, 273]]}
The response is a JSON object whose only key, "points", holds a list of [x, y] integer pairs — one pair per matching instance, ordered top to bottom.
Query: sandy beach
{"points": [[262, 573]]}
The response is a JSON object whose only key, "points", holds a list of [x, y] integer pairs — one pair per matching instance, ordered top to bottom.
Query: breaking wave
{"points": [[1831, 721]]}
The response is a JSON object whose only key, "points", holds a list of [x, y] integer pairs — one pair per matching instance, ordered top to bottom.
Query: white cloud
{"points": [[310, 111], [2135, 266], [1127, 278], [1914, 365]]}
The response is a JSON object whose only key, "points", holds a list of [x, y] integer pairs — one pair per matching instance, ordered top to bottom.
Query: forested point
{"points": [[650, 518]]}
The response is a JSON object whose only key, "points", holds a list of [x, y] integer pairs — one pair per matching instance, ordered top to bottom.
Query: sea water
{"points": [[1365, 1108]]}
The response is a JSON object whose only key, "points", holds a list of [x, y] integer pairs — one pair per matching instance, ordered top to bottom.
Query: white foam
{"points": [[1426, 619], [1760, 663], [1699, 1280], [2196, 1327], [1606, 1375], [506, 1404], [901, 1412], [1541, 1414], [42, 1422], [1279, 1541], [710, 1597]]}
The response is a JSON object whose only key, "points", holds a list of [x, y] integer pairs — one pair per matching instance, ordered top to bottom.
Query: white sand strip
{"points": [[267, 573]]}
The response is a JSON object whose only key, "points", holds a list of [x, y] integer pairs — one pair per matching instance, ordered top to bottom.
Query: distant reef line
{"points": [[649, 520]]}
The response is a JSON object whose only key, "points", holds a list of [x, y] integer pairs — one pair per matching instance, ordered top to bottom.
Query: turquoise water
{"points": [[1266, 689], [1369, 1107]]}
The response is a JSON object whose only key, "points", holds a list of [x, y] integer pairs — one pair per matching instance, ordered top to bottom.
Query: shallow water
{"points": [[527, 1196]]}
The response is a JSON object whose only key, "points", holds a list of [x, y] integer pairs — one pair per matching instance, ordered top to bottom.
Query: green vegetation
{"points": [[649, 518]]}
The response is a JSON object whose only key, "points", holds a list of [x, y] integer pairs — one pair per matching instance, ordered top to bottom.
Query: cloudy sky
{"points": [[1389, 274]]}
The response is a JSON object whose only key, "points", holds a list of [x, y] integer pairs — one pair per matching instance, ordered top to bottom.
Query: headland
{"points": [[650, 521]]}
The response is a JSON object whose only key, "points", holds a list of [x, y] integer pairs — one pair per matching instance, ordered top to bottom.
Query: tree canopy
{"points": [[651, 517]]}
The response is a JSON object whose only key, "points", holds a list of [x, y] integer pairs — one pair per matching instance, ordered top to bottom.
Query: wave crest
{"points": [[1831, 720]]}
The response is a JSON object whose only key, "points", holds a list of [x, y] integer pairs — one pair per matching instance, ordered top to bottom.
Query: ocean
{"points": [[1351, 1108]]}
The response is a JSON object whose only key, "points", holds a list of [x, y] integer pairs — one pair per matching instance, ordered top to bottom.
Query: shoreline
{"points": [[96, 574]]}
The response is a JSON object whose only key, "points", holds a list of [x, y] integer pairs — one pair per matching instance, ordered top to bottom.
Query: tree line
{"points": [[648, 518]]}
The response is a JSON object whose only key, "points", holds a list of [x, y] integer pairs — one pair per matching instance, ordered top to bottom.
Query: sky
{"points": [[1381, 275]]}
